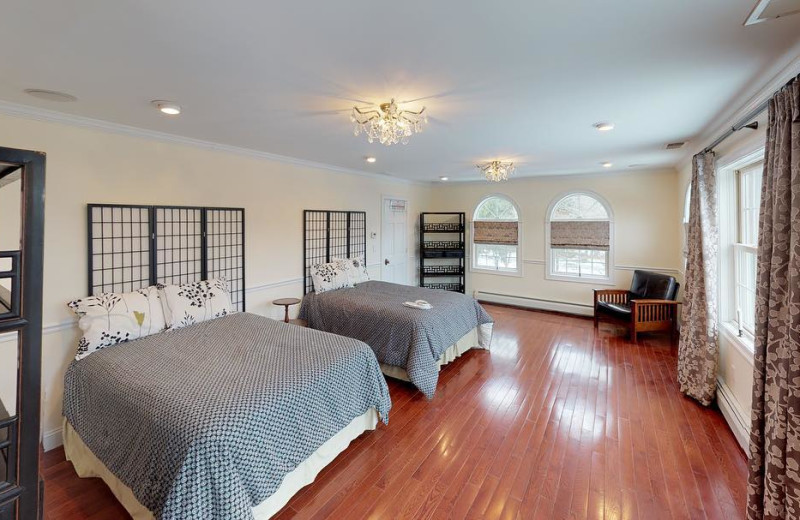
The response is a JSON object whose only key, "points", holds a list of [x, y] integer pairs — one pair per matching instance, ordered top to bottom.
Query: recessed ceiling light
{"points": [[50, 95], [167, 107], [604, 126], [370, 159], [606, 164], [444, 178]]}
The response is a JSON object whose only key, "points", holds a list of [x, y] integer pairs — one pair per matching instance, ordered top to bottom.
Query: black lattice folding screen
{"points": [[328, 234], [131, 247]]}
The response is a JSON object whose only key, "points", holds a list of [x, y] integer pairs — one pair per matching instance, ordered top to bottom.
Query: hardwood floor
{"points": [[557, 421]]}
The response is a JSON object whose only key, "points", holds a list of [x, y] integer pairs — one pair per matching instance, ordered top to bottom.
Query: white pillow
{"points": [[355, 268], [330, 276], [195, 302], [112, 318]]}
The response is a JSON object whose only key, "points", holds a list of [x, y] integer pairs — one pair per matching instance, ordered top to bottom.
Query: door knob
{"points": [[386, 261]]}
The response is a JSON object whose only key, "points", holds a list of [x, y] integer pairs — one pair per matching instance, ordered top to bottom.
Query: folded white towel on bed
{"points": [[419, 304]]}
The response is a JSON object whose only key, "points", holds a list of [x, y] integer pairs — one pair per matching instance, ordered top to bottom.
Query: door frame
{"points": [[384, 198]]}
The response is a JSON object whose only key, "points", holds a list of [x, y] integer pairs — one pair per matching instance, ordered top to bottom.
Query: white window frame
{"points": [[730, 245], [739, 246], [473, 257], [548, 271]]}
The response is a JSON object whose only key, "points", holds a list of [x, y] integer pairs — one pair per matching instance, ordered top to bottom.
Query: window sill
{"points": [[517, 274], [579, 279], [744, 343]]}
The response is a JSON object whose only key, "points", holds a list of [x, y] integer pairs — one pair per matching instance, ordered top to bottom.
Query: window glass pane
{"points": [[749, 202], [579, 206], [496, 208], [496, 257], [579, 262], [746, 287]]}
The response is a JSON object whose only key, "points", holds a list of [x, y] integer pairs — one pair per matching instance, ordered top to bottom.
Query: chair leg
{"points": [[595, 319]]}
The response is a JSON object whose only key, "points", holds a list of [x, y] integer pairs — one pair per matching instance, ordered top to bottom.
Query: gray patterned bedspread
{"points": [[412, 339], [205, 421]]}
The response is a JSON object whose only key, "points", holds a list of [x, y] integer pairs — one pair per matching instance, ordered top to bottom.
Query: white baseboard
{"points": [[535, 303], [734, 415], [52, 439]]}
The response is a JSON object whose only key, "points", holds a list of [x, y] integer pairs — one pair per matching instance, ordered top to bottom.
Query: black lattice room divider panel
{"points": [[328, 234], [133, 246]]}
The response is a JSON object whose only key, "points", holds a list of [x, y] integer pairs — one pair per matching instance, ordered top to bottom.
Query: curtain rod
{"points": [[745, 121]]}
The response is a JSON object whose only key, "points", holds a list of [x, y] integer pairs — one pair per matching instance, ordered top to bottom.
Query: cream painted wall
{"points": [[86, 165], [645, 237], [735, 376]]}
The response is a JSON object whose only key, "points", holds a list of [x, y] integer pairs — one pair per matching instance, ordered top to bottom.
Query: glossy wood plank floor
{"points": [[557, 421]]}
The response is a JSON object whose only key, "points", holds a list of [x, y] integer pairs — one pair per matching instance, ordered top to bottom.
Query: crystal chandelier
{"points": [[388, 124], [496, 171]]}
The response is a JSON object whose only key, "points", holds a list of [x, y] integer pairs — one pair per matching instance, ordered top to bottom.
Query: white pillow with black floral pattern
{"points": [[355, 267], [330, 276], [195, 302], [112, 318]]}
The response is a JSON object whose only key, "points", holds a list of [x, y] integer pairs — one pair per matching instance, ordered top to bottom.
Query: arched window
{"points": [[495, 236], [579, 237]]}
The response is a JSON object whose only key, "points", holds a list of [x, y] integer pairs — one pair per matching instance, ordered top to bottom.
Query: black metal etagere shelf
{"points": [[442, 253]]}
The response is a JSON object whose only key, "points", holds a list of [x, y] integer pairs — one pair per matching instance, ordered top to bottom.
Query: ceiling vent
{"points": [[772, 9], [675, 146]]}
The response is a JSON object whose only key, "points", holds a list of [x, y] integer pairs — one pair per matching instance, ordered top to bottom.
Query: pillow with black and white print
{"points": [[355, 267], [330, 276], [195, 302], [112, 318]]}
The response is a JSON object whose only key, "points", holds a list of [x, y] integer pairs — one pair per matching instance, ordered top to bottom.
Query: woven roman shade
{"points": [[497, 233], [579, 234]]}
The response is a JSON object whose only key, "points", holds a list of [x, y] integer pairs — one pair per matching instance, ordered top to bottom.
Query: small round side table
{"points": [[286, 302]]}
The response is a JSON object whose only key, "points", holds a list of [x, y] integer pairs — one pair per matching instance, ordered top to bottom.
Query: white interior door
{"points": [[394, 240]]}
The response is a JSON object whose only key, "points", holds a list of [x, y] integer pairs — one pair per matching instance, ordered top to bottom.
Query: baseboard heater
{"points": [[535, 303]]}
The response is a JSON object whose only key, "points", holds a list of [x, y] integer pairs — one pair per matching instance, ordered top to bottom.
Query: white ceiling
{"points": [[517, 80]]}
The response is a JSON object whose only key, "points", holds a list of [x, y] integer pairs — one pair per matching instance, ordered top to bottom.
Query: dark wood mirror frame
{"points": [[20, 498]]}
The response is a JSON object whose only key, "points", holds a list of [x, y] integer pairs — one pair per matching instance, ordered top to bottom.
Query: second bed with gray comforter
{"points": [[412, 339], [205, 421]]}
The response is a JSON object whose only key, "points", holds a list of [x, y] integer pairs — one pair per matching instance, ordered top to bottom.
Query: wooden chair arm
{"points": [[619, 296], [642, 301], [644, 311]]}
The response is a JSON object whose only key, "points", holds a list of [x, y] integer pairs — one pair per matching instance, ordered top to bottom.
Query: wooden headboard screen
{"points": [[328, 234], [135, 246]]}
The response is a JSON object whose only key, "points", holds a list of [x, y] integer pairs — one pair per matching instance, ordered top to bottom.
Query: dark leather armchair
{"points": [[648, 306]]}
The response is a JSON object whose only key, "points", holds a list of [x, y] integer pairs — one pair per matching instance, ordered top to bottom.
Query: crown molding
{"points": [[766, 91], [52, 116]]}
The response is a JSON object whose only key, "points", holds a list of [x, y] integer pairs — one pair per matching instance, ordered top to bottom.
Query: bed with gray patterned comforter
{"points": [[412, 339], [205, 421]]}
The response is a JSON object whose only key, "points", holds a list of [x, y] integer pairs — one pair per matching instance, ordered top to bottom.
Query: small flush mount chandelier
{"points": [[388, 124], [497, 171]]}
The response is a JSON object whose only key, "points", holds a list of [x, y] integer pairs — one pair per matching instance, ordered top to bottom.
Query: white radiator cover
{"points": [[580, 309]]}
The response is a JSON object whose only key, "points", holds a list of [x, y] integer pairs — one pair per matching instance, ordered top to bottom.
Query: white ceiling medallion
{"points": [[50, 95], [387, 123], [497, 171]]}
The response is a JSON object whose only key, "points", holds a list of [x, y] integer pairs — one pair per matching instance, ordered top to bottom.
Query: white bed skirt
{"points": [[479, 337], [88, 465]]}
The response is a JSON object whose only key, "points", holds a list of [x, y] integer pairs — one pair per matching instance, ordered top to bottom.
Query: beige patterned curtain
{"points": [[502, 233], [580, 234], [698, 351], [774, 483]]}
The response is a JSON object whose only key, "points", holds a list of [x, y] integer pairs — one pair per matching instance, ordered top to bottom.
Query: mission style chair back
{"points": [[649, 305]]}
